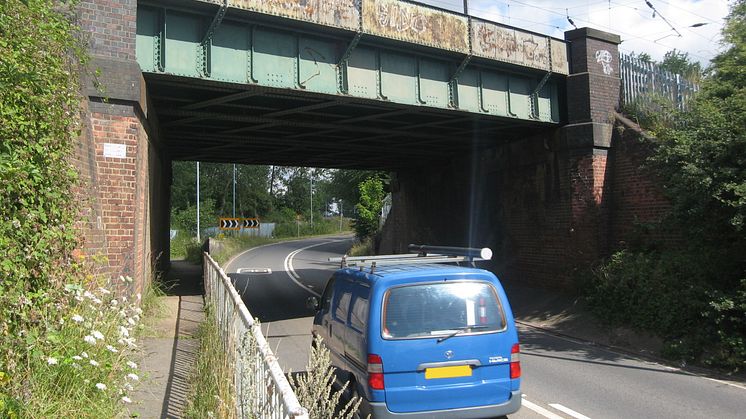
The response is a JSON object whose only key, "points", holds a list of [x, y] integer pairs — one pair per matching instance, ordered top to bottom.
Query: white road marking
{"points": [[260, 271], [294, 275], [728, 383], [540, 410], [568, 411]]}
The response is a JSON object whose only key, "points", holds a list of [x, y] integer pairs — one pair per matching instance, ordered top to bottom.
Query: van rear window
{"points": [[437, 309]]}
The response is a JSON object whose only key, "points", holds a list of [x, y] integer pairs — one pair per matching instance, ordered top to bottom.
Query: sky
{"points": [[641, 30]]}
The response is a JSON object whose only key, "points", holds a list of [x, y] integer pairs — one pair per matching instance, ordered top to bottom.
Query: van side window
{"points": [[326, 299], [342, 307], [359, 316]]}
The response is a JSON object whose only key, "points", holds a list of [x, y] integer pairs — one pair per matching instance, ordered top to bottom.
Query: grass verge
{"points": [[212, 393]]}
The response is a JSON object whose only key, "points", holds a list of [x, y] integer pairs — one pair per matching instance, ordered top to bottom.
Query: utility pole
{"points": [[466, 7], [311, 172], [234, 191], [340, 215], [198, 237]]}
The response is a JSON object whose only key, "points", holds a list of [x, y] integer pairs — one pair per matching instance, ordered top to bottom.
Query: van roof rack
{"points": [[424, 254]]}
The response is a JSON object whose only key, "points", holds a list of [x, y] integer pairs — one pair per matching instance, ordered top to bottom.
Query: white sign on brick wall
{"points": [[116, 151]]}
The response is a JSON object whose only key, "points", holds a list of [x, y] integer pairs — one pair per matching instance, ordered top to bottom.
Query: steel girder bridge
{"points": [[383, 84]]}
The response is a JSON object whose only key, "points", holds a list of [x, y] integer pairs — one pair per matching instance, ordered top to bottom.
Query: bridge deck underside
{"points": [[211, 121]]}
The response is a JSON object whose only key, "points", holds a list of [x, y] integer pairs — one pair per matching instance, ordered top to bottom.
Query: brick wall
{"points": [[111, 26], [636, 197], [90, 221]]}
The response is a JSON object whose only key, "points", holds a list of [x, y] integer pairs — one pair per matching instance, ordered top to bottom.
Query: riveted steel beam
{"points": [[206, 42], [452, 82]]}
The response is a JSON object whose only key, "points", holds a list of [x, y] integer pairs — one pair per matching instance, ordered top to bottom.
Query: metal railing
{"points": [[641, 80], [262, 391]]}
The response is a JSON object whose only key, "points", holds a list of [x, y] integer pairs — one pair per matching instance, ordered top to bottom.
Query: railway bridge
{"points": [[495, 136]]}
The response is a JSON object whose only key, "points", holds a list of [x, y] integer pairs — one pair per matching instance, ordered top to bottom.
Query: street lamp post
{"points": [[198, 237]]}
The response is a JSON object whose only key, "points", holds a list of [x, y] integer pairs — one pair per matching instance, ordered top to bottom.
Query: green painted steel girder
{"points": [[235, 48]]}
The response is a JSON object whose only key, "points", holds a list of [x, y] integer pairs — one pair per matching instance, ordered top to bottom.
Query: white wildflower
{"points": [[121, 278], [104, 291], [88, 295], [139, 296], [124, 299], [96, 300], [114, 302], [138, 310], [77, 318], [62, 321], [131, 321], [123, 331], [98, 335], [90, 339], [111, 349], [84, 354], [77, 357], [52, 361], [94, 363], [132, 365], [133, 377], [101, 386], [128, 387], [126, 399]]}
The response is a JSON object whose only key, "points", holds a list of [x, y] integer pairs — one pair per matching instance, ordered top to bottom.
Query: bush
{"points": [[672, 294]]}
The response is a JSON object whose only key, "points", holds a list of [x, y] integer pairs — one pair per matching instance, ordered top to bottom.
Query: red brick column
{"points": [[593, 96], [119, 159]]}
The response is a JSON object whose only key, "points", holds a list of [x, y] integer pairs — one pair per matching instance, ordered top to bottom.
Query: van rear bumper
{"points": [[380, 411]]}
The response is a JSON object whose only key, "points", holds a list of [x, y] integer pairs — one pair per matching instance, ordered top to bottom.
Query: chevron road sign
{"points": [[230, 223], [250, 223]]}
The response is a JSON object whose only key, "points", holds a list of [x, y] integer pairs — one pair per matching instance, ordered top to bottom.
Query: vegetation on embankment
{"points": [[692, 293], [66, 333]]}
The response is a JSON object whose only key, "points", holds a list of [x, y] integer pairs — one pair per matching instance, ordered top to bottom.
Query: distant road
{"points": [[300, 270], [562, 378]]}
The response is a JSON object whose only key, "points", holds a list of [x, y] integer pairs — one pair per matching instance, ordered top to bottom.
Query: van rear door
{"points": [[446, 345]]}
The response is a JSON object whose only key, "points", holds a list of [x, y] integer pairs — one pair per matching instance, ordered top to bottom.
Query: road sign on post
{"points": [[230, 223], [250, 223]]}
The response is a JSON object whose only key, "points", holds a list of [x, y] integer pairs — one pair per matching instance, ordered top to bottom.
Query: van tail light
{"points": [[515, 362], [375, 372]]}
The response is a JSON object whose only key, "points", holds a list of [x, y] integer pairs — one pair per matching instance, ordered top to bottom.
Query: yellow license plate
{"points": [[448, 372]]}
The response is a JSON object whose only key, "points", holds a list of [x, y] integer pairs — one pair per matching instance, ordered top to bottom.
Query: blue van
{"points": [[420, 339]]}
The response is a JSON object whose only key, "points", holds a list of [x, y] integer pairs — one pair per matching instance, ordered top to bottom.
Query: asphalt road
{"points": [[562, 378]]}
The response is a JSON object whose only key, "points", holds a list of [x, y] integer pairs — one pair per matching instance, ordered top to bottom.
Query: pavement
{"points": [[169, 348]]}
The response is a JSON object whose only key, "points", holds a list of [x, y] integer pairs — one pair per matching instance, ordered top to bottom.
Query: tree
{"points": [[678, 62], [369, 207]]}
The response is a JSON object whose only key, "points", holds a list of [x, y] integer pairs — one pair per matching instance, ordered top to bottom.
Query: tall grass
{"points": [[82, 350], [211, 393]]}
